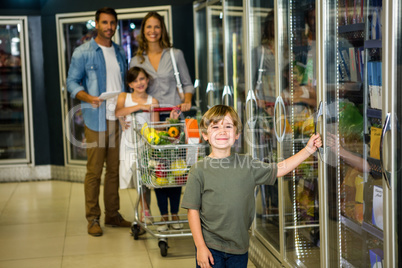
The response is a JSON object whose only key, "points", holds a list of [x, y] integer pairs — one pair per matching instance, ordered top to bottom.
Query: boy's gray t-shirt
{"points": [[223, 192]]}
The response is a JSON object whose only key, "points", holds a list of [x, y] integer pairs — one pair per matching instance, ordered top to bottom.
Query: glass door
{"points": [[396, 23], [74, 30], [201, 49], [215, 85], [234, 93], [298, 95], [283, 97], [260, 102], [15, 115], [352, 126], [390, 146]]}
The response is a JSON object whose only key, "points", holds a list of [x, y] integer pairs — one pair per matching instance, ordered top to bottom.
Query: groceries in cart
{"points": [[164, 136], [166, 151], [166, 157]]}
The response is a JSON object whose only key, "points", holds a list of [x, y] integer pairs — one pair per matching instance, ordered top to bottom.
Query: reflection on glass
{"points": [[128, 31], [76, 34], [262, 36], [215, 37], [201, 46], [234, 81], [299, 94], [12, 120], [353, 131]]}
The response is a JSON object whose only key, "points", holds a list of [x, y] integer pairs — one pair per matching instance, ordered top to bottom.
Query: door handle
{"points": [[227, 93], [210, 94], [280, 101], [251, 118], [387, 127], [321, 150]]}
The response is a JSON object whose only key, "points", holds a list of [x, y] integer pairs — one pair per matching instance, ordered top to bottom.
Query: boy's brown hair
{"points": [[216, 114]]}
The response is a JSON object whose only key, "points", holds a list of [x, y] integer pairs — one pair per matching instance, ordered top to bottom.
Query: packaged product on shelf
{"points": [[374, 73], [375, 139], [359, 185], [352, 190], [377, 212], [376, 258]]}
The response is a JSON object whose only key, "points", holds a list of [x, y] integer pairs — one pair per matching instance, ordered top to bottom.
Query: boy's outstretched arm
{"points": [[292, 162], [204, 256]]}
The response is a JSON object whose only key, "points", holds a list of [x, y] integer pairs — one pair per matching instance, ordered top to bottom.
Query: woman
{"points": [[153, 55]]}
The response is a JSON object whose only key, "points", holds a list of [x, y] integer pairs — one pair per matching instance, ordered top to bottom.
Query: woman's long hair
{"points": [[164, 42]]}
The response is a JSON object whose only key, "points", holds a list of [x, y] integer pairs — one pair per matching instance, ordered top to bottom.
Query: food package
{"points": [[192, 131]]}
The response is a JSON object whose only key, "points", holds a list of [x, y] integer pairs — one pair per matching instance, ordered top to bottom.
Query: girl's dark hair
{"points": [[164, 42], [133, 73]]}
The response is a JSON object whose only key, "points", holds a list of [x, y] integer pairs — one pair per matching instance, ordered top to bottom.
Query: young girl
{"points": [[128, 103]]}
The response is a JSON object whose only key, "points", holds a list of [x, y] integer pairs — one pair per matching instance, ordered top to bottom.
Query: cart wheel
{"points": [[136, 231], [163, 247]]}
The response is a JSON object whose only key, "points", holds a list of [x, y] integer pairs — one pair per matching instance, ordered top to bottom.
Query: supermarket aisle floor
{"points": [[42, 224]]}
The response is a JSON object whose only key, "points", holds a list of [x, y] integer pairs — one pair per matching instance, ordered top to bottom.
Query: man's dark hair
{"points": [[107, 10]]}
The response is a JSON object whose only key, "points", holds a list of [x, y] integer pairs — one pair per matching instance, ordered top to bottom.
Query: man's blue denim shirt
{"points": [[88, 72]]}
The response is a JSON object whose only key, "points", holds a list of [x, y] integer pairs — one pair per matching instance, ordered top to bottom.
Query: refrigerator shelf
{"points": [[351, 28], [373, 43], [374, 113], [364, 227], [373, 230]]}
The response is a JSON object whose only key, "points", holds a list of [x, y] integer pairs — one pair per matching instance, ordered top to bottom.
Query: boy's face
{"points": [[221, 135]]}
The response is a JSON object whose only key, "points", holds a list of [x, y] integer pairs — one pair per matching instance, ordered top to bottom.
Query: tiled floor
{"points": [[42, 224]]}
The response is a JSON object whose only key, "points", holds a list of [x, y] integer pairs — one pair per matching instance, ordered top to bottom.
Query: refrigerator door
{"points": [[396, 22], [74, 29], [74, 32], [282, 36], [201, 49], [215, 56], [351, 81], [234, 90], [299, 91], [260, 108], [15, 122], [390, 147]]}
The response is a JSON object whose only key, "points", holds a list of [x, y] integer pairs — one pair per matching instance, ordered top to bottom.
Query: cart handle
{"points": [[160, 109]]}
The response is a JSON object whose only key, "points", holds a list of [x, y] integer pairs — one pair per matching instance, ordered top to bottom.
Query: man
{"points": [[96, 67]]}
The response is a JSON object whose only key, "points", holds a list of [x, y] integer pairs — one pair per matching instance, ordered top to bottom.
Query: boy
{"points": [[219, 193]]}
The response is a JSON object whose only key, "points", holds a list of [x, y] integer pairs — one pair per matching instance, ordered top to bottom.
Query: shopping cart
{"points": [[163, 160]]}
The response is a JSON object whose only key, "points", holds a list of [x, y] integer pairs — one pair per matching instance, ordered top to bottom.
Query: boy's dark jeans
{"points": [[226, 260]]}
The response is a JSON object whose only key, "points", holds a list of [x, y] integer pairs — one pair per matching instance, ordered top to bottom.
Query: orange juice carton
{"points": [[192, 131]]}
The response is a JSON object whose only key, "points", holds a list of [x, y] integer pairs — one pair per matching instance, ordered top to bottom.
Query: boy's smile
{"points": [[221, 135]]}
